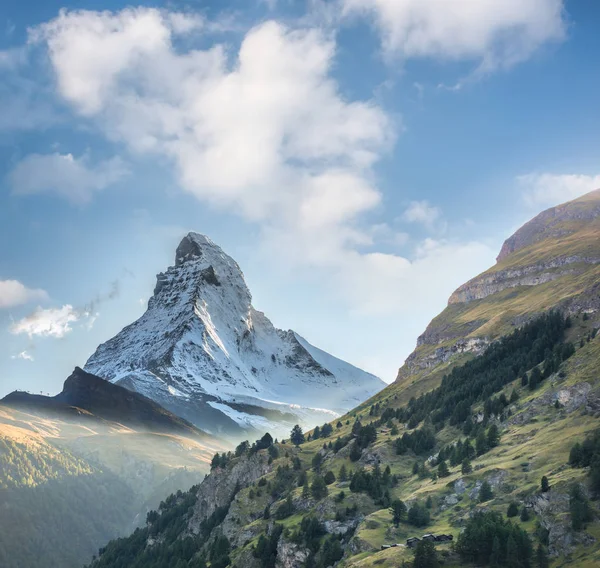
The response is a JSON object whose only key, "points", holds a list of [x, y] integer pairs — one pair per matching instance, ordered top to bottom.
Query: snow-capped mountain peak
{"points": [[202, 351]]}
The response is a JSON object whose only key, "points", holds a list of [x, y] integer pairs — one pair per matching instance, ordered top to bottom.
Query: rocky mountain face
{"points": [[553, 261], [202, 351]]}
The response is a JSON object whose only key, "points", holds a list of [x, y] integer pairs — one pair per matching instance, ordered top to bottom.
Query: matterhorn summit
{"points": [[202, 351]]}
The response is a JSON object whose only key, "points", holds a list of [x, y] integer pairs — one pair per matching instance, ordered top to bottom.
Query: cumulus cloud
{"points": [[497, 33], [263, 132], [75, 179], [546, 189], [13, 293], [51, 322]]}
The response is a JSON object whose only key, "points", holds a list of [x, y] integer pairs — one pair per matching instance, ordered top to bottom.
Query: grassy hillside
{"points": [[297, 514]]}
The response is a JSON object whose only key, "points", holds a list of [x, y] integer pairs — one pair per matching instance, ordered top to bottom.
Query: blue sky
{"points": [[360, 159]]}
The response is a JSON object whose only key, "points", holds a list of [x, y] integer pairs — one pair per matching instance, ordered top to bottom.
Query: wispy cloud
{"points": [[75, 179], [548, 189]]}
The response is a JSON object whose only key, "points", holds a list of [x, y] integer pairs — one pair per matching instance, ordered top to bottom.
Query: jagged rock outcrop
{"points": [[488, 284], [202, 351], [221, 485], [552, 509]]}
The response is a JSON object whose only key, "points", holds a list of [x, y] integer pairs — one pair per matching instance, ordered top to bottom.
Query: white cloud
{"points": [[495, 32], [264, 132], [75, 179], [546, 190], [422, 212], [13, 293], [51, 322], [23, 355]]}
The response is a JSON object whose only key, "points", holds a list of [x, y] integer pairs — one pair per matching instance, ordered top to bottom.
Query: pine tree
{"points": [[297, 436], [493, 436], [481, 443], [466, 466], [443, 470], [343, 474], [545, 484], [318, 488], [305, 490], [485, 492], [579, 506], [513, 510], [398, 511], [524, 514], [512, 553], [425, 555], [495, 557], [542, 557]]}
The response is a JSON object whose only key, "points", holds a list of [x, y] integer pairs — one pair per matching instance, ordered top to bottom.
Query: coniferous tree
{"points": [[297, 436], [493, 436], [481, 443], [443, 470], [343, 474], [329, 477], [545, 484], [318, 488], [485, 492], [398, 511], [581, 512], [425, 555], [496, 556], [542, 557]]}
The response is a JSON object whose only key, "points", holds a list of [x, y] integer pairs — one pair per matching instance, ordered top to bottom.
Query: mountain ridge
{"points": [[84, 393]]}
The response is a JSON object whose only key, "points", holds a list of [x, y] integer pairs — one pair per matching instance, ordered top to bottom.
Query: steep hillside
{"points": [[553, 261], [202, 351], [496, 444], [334, 499]]}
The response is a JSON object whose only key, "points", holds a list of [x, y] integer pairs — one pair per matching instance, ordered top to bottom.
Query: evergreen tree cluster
{"points": [[501, 363], [322, 432], [420, 441], [587, 454], [375, 483], [490, 540]]}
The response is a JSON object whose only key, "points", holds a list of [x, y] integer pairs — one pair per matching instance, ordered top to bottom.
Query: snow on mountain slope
{"points": [[202, 351]]}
